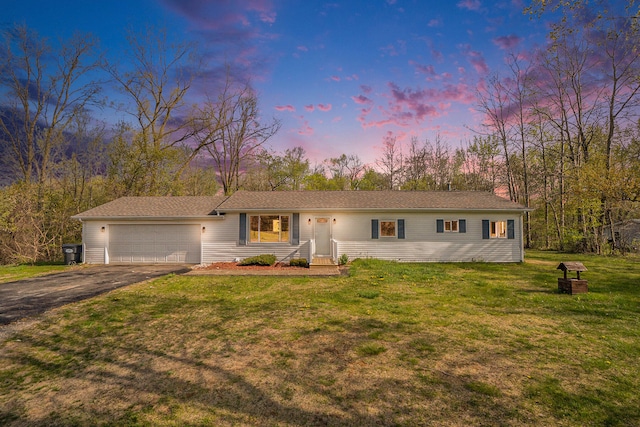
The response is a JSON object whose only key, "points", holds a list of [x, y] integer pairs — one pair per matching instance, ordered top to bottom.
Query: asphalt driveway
{"points": [[28, 297]]}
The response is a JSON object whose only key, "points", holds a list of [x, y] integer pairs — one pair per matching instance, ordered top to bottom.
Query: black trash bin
{"points": [[72, 253]]}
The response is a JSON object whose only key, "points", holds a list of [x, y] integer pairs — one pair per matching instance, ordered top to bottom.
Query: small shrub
{"points": [[344, 258], [265, 260], [299, 262]]}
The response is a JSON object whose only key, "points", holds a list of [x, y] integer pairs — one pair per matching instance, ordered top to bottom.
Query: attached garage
{"points": [[150, 230], [154, 243]]}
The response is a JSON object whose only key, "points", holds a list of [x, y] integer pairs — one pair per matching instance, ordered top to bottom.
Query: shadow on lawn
{"points": [[120, 392]]}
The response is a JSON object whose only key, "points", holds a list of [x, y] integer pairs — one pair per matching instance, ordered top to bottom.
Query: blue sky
{"points": [[340, 75]]}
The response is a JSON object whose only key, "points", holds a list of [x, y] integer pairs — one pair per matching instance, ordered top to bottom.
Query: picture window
{"points": [[269, 228], [387, 228]]}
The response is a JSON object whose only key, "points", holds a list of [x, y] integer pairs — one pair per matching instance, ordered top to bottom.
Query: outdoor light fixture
{"points": [[309, 221], [334, 221], [102, 229], [203, 229]]}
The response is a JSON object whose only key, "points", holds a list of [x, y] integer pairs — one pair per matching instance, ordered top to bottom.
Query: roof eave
{"points": [[235, 210], [147, 218]]}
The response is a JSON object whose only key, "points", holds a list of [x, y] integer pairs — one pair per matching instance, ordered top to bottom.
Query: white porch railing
{"points": [[334, 249], [312, 250]]}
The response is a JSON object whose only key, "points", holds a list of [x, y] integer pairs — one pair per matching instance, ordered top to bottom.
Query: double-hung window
{"points": [[451, 226], [269, 228], [498, 230]]}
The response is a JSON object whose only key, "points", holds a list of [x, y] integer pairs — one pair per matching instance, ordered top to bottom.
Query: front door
{"points": [[322, 236]]}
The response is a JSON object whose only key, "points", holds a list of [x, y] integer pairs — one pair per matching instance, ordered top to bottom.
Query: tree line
{"points": [[561, 134]]}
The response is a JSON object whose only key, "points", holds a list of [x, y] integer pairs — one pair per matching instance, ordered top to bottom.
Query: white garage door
{"points": [[154, 243]]}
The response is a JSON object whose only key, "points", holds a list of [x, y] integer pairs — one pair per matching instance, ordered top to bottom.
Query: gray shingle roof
{"points": [[360, 200], [200, 206], [155, 207]]}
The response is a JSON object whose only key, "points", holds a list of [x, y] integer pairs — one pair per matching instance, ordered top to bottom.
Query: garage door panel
{"points": [[154, 243]]}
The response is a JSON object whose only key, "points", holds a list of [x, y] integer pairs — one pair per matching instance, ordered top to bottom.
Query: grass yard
{"points": [[10, 273], [391, 344]]}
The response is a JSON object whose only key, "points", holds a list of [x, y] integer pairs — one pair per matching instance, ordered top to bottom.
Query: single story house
{"points": [[412, 226]]}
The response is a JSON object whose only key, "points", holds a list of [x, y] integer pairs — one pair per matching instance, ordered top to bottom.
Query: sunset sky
{"points": [[340, 75]]}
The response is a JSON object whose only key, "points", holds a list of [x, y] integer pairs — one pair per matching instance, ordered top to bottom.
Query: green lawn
{"points": [[10, 273], [390, 344]]}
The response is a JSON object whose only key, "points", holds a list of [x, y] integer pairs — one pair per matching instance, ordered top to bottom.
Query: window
{"points": [[451, 226], [268, 228], [387, 228], [498, 229]]}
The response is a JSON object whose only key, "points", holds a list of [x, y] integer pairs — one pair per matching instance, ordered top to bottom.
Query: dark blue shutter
{"points": [[440, 225], [462, 225], [374, 228], [485, 228], [401, 229], [511, 229], [242, 232], [295, 233]]}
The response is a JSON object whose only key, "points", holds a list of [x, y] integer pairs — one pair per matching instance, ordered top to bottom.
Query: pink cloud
{"points": [[469, 4], [436, 22], [507, 42], [303, 48], [395, 50], [476, 59], [423, 69], [335, 78], [366, 89], [361, 99], [287, 107], [324, 107], [407, 107], [309, 108], [305, 129]]}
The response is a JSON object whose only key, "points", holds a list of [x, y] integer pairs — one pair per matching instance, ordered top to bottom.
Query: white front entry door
{"points": [[322, 236]]}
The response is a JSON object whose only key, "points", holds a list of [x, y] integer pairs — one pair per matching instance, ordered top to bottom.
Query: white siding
{"points": [[352, 231], [94, 242], [422, 242]]}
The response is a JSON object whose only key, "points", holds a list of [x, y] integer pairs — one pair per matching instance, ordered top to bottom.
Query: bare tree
{"points": [[156, 85], [42, 98], [229, 130], [391, 162]]}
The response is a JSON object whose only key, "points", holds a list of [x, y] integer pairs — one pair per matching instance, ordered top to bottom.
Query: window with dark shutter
{"points": [[440, 225], [462, 226], [374, 228], [401, 229], [485, 229], [511, 229], [242, 232], [295, 232]]}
